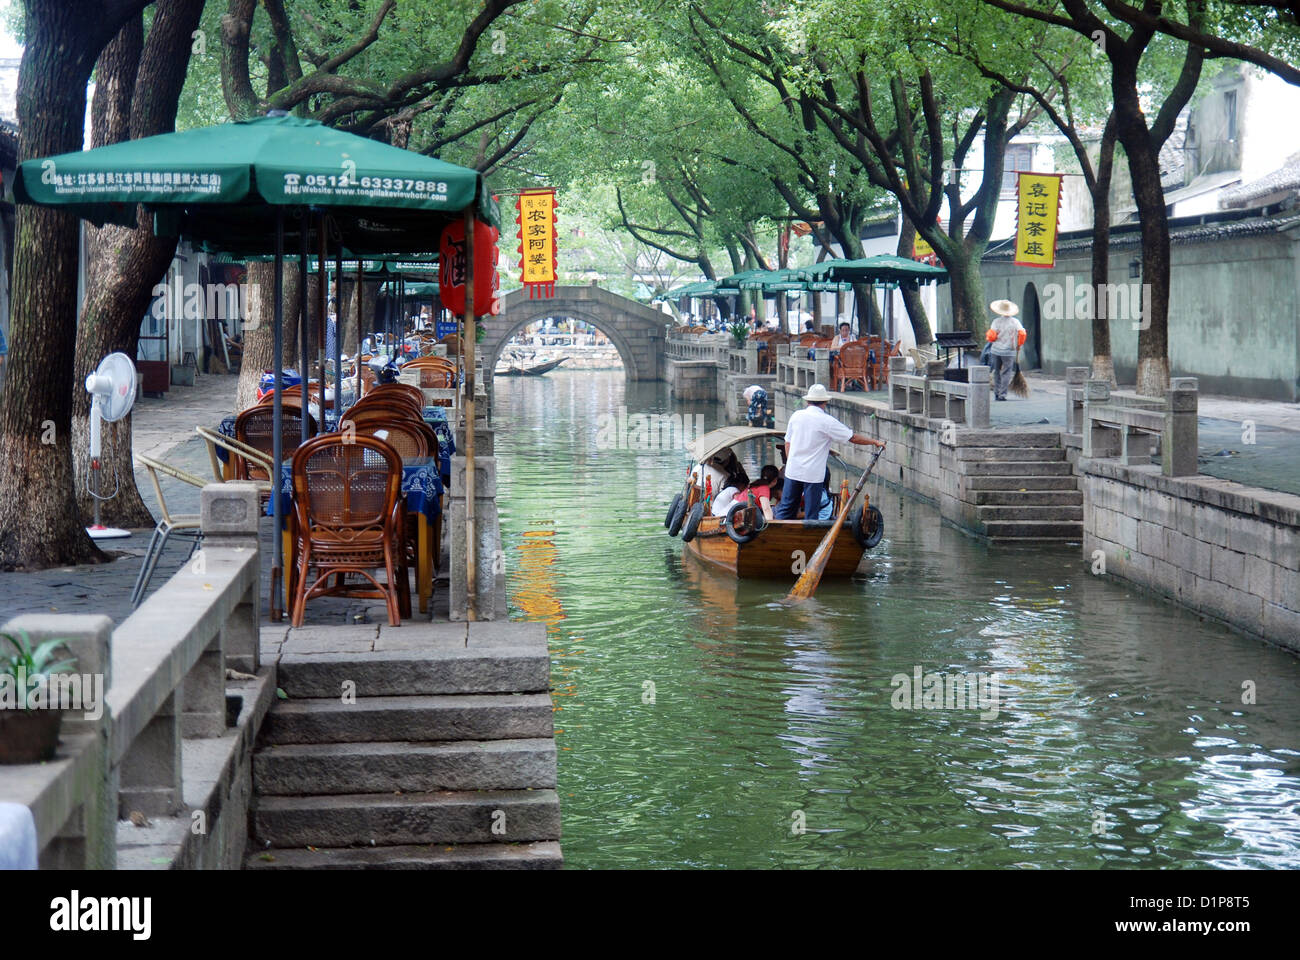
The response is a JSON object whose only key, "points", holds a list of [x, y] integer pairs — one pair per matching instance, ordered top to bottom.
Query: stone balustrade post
{"points": [[1075, 378], [897, 390], [977, 399], [933, 403], [1098, 440], [1178, 457], [228, 517], [88, 839]]}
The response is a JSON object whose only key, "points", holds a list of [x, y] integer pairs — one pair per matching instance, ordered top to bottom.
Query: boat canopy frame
{"points": [[715, 441]]}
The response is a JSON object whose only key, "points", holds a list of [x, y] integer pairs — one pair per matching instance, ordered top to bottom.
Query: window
{"points": [[1230, 114], [1017, 157]]}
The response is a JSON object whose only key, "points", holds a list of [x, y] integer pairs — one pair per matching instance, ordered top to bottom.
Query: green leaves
{"points": [[33, 662]]}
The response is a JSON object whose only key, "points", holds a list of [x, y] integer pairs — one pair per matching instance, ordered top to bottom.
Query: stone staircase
{"points": [[1019, 486], [426, 746]]}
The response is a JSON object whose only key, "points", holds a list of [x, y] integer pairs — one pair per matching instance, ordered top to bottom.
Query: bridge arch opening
{"points": [[516, 323], [561, 333]]}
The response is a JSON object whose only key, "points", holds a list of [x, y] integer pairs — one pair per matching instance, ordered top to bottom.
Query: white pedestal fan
{"points": [[112, 391]]}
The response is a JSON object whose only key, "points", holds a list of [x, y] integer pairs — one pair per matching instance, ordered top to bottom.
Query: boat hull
{"points": [[774, 553]]}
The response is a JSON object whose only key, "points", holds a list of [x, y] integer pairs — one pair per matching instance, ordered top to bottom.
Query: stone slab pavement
{"points": [[1271, 462]]}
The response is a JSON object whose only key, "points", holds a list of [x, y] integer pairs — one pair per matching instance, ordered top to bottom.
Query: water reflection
{"points": [[1121, 738]]}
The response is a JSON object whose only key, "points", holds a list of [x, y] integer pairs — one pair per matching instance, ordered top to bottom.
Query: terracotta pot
{"points": [[28, 736]]}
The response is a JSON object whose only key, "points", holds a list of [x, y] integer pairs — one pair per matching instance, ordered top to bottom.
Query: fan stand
{"points": [[95, 486]]}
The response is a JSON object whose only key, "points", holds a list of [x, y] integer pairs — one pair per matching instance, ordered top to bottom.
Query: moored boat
{"points": [[746, 544]]}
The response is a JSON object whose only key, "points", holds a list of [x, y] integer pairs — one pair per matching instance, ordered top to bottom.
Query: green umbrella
{"points": [[219, 185], [883, 266], [770, 281], [703, 288]]}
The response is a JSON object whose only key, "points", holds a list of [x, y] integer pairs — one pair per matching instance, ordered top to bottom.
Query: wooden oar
{"points": [[807, 583]]}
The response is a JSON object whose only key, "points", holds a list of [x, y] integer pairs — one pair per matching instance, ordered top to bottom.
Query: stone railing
{"points": [[705, 347], [796, 369], [930, 395], [1121, 424], [162, 674]]}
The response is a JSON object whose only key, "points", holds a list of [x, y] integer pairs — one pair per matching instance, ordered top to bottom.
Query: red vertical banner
{"points": [[537, 246], [451, 269]]}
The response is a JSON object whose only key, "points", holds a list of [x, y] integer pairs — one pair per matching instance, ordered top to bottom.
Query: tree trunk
{"points": [[137, 89], [912, 292], [1153, 306], [968, 307], [869, 318], [258, 344], [1103, 365], [40, 525]]}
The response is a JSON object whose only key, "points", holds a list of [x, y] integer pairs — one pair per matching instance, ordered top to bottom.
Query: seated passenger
{"points": [[769, 483]]}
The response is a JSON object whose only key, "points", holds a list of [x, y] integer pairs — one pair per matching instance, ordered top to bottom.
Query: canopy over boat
{"points": [[718, 440]]}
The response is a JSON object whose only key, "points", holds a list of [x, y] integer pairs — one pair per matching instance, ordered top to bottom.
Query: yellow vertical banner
{"points": [[1038, 208], [537, 241]]}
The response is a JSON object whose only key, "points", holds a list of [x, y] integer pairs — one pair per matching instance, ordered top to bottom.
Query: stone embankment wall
{"points": [[1220, 548]]}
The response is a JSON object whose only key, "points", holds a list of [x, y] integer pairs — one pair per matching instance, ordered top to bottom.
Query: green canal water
{"points": [[702, 724]]}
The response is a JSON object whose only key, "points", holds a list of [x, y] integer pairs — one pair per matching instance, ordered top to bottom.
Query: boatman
{"points": [[808, 438]]}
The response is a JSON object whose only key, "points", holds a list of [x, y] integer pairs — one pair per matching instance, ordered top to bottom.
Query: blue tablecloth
{"points": [[435, 417], [421, 486]]}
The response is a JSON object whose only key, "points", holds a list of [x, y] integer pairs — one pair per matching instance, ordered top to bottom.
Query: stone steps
{"points": [[1009, 438], [1010, 454], [1017, 468], [1017, 484], [1028, 498], [1017, 512], [1034, 530], [518, 669], [498, 716], [425, 746], [357, 768], [412, 818], [542, 855]]}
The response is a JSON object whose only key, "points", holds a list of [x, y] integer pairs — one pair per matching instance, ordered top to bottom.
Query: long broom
{"points": [[1018, 385], [807, 583]]}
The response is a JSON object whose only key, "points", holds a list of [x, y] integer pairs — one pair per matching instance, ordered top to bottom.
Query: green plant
{"points": [[739, 332], [32, 663]]}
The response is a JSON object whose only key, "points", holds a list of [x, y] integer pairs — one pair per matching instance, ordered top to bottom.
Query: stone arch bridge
{"points": [[638, 331]]}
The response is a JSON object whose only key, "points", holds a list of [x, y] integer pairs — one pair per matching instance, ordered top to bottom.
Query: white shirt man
{"points": [[808, 438]]}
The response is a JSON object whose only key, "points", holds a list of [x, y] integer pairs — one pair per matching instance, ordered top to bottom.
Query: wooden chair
{"points": [[452, 340], [777, 344], [850, 365], [399, 389], [395, 407], [255, 428], [403, 436], [233, 448], [349, 519], [184, 525]]}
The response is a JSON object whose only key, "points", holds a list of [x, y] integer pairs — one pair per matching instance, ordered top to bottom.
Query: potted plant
{"points": [[739, 333], [28, 735]]}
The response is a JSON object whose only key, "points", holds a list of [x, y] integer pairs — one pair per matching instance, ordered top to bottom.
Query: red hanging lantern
{"points": [[451, 269]]}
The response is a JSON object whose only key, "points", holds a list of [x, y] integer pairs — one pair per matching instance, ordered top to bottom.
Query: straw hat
{"points": [[1004, 307], [817, 394]]}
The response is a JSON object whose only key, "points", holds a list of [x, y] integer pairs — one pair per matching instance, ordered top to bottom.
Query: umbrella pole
{"points": [[322, 304], [361, 318], [302, 324], [338, 329], [467, 351], [277, 417]]}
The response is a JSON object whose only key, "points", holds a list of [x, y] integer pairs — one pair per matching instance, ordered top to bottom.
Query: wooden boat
{"points": [[524, 369], [745, 545]]}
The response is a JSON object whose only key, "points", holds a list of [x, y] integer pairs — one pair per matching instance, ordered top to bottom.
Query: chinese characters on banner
{"points": [[1038, 203], [537, 241], [452, 268]]}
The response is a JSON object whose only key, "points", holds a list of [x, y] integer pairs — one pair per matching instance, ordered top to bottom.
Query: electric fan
{"points": [[112, 391]]}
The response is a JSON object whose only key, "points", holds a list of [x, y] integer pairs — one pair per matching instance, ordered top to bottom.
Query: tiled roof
{"points": [[1285, 177]]}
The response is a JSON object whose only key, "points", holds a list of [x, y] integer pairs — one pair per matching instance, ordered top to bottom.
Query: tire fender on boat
{"points": [[672, 510], [679, 514], [693, 522], [760, 522], [875, 523]]}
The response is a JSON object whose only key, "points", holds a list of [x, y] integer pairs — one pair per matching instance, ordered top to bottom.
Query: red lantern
{"points": [[451, 269]]}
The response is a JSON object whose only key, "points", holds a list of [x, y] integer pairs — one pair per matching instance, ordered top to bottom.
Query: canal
{"points": [[702, 724]]}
